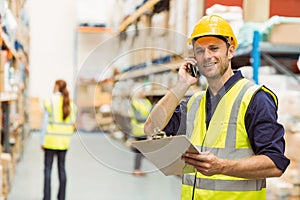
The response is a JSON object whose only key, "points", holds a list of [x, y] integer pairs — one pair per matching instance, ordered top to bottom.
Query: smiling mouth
{"points": [[209, 64]]}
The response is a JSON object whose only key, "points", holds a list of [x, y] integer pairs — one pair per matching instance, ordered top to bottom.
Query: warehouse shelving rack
{"points": [[267, 53], [7, 98], [14, 121]]}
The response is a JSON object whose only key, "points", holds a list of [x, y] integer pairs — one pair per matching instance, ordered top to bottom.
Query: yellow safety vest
{"points": [[140, 109], [59, 132], [227, 138]]}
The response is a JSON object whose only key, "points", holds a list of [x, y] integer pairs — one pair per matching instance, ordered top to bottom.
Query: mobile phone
{"points": [[194, 69]]}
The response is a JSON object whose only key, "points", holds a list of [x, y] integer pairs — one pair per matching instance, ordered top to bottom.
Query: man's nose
{"points": [[207, 54]]}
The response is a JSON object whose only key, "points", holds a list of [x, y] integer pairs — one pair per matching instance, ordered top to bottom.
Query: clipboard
{"points": [[165, 153]]}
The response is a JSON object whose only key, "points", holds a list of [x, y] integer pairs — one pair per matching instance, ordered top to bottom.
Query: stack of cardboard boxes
{"points": [[90, 97], [7, 169]]}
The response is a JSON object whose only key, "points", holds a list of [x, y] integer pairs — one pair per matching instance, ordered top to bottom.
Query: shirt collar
{"points": [[233, 79], [229, 83]]}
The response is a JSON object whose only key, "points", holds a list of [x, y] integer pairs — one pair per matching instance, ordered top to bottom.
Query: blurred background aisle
{"points": [[105, 50], [87, 175]]}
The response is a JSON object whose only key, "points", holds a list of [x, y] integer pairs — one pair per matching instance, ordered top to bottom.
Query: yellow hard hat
{"points": [[213, 25]]}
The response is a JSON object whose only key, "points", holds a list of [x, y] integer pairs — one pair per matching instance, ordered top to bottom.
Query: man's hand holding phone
{"points": [[194, 69], [188, 74]]}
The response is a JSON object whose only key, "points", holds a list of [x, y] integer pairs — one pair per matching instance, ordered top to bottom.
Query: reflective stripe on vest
{"points": [[140, 109], [52, 119], [59, 132], [226, 137], [225, 185]]}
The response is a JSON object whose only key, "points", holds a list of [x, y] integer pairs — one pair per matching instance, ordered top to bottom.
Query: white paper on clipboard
{"points": [[166, 153]]}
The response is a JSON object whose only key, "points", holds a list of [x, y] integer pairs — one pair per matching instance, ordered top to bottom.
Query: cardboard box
{"points": [[256, 10], [285, 33], [3, 60], [1, 81], [89, 95], [104, 98], [36, 114], [7, 171]]}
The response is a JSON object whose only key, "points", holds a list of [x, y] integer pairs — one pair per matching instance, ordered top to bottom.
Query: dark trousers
{"points": [[138, 154], [138, 160], [48, 161]]}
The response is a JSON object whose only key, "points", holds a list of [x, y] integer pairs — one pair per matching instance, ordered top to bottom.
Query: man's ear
{"points": [[230, 52]]}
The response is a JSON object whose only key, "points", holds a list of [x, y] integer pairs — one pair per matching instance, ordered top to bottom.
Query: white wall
{"points": [[96, 11], [52, 26], [52, 32]]}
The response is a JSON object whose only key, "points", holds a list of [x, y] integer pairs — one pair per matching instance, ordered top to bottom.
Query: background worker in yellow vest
{"points": [[139, 111], [59, 123], [233, 123]]}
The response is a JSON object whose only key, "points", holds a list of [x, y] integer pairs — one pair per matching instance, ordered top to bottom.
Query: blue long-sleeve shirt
{"points": [[266, 135]]}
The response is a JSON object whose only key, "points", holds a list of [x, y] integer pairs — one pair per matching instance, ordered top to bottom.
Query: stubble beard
{"points": [[219, 72]]}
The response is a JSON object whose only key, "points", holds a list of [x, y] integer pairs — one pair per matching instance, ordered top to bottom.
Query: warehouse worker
{"points": [[140, 109], [233, 123], [58, 127]]}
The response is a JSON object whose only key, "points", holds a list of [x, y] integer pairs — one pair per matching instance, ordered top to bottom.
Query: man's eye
{"points": [[214, 48], [200, 51]]}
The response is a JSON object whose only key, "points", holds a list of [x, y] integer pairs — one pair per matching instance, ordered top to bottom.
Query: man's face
{"points": [[213, 56]]}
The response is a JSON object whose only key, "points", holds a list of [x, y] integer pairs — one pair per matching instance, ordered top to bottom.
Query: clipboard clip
{"points": [[158, 134]]}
